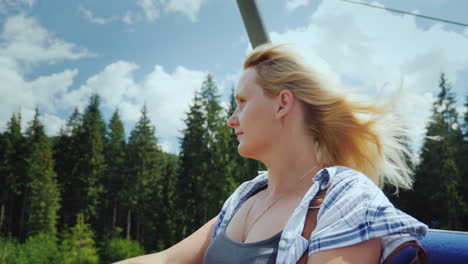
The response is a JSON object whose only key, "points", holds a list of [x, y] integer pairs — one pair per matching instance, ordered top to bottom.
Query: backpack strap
{"points": [[311, 220], [421, 255]]}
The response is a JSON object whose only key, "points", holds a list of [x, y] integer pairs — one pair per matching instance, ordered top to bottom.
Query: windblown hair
{"points": [[367, 137]]}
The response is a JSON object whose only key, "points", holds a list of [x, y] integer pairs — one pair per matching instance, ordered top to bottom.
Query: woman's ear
{"points": [[285, 103]]}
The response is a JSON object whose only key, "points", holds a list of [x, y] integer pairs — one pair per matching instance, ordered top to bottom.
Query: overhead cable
{"points": [[408, 13]]}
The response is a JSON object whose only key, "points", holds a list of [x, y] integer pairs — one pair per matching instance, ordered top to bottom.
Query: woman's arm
{"points": [[190, 250], [366, 252]]}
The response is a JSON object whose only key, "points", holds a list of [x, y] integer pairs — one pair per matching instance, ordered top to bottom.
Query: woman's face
{"points": [[253, 121]]}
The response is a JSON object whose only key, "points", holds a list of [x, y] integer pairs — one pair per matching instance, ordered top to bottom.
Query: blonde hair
{"points": [[367, 137]]}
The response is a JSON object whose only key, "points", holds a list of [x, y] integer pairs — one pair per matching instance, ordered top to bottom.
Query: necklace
{"points": [[244, 236]]}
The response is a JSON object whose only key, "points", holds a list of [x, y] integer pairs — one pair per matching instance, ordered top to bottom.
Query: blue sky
{"points": [[54, 54]]}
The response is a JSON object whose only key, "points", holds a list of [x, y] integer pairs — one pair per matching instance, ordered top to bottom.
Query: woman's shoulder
{"points": [[343, 175], [345, 182]]}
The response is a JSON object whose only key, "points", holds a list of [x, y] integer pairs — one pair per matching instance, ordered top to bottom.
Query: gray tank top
{"points": [[224, 250]]}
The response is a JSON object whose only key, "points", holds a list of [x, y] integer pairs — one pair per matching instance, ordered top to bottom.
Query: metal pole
{"points": [[253, 22]]}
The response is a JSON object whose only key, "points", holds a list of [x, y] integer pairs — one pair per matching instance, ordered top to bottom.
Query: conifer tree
{"points": [[79, 151], [67, 152], [203, 162], [92, 164], [193, 165], [438, 176], [213, 177], [13, 178], [42, 183], [143, 187], [111, 207], [167, 230], [78, 245], [38, 249], [118, 249]]}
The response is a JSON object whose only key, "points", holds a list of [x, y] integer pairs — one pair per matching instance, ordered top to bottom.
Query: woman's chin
{"points": [[245, 152]]}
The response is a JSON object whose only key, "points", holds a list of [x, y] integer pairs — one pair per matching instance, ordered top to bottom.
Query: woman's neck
{"points": [[286, 168]]}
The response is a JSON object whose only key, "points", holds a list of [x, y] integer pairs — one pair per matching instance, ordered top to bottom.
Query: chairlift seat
{"points": [[442, 246]]}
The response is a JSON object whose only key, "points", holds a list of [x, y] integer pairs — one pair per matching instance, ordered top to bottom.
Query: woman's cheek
{"points": [[245, 110], [241, 114]]}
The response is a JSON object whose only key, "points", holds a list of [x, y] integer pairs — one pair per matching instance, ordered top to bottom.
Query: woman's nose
{"points": [[232, 121]]}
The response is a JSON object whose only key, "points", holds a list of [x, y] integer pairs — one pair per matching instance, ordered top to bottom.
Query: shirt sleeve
{"points": [[356, 210]]}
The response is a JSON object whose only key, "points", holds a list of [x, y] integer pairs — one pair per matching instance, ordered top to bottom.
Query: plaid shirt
{"points": [[353, 211]]}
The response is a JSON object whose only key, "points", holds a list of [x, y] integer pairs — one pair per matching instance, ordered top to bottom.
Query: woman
{"points": [[313, 141]]}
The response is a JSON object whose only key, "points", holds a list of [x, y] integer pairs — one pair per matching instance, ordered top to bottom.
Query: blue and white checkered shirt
{"points": [[353, 211]]}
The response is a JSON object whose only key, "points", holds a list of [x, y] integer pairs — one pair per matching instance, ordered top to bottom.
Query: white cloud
{"points": [[17, 2], [292, 5], [9, 6], [188, 8], [150, 9], [151, 13], [131, 18], [96, 20], [24, 42], [370, 48], [229, 82], [115, 83], [49, 90], [19, 95], [168, 96], [225, 106], [52, 122], [166, 146]]}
